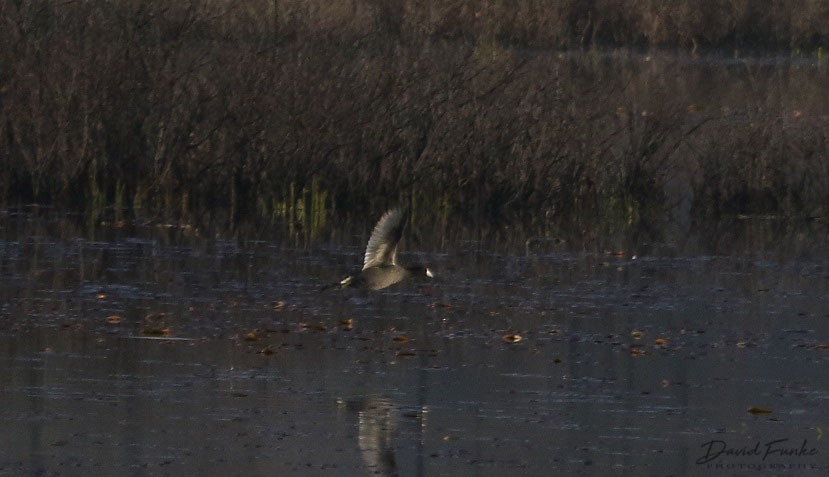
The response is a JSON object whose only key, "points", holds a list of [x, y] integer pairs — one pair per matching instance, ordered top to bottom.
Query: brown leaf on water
{"points": [[101, 296], [279, 305], [154, 317], [114, 319], [347, 322], [155, 325], [313, 326], [156, 331], [636, 334], [252, 336], [512, 338], [400, 339], [660, 342], [266, 351], [635, 351], [406, 352], [756, 410]]}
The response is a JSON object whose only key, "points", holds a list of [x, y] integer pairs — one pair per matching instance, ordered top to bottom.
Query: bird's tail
{"points": [[340, 284]]}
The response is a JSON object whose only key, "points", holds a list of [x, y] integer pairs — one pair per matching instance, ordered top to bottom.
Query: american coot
{"points": [[380, 267]]}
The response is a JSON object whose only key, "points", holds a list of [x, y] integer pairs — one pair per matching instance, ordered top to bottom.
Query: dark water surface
{"points": [[625, 365]]}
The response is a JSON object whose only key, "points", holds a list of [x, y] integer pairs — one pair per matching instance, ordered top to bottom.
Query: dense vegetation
{"points": [[176, 108]]}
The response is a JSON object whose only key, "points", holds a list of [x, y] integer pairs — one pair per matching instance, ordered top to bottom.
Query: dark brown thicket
{"points": [[182, 106]]}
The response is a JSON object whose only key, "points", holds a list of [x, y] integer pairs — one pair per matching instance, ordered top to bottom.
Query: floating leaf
{"points": [[100, 296], [278, 306], [154, 318], [114, 319], [347, 322], [154, 325], [156, 331], [636, 334], [251, 336], [512, 338], [400, 339], [660, 342], [635, 350], [266, 351], [406, 352], [756, 410]]}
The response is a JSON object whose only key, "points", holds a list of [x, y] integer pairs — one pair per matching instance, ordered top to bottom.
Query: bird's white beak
{"points": [[429, 273]]}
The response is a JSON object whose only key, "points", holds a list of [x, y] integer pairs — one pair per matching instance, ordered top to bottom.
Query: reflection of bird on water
{"points": [[380, 267], [375, 433]]}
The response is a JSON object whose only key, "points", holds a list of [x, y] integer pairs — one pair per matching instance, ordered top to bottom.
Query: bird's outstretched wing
{"points": [[382, 246]]}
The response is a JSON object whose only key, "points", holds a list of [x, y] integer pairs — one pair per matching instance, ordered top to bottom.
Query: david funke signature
{"points": [[714, 449]]}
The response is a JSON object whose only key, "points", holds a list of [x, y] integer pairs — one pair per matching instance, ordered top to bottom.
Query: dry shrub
{"points": [[180, 107]]}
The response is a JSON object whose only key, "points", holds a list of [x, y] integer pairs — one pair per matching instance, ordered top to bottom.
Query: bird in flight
{"points": [[380, 266]]}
